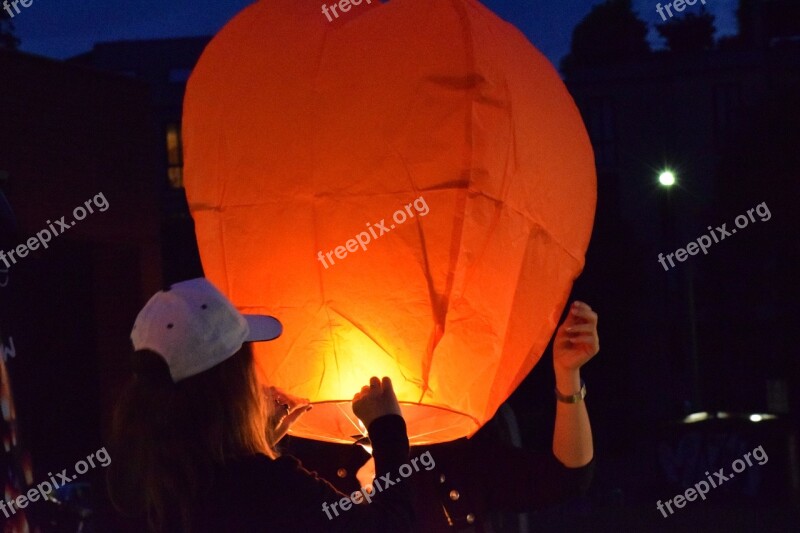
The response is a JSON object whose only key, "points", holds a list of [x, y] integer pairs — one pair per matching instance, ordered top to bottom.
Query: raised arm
{"points": [[575, 344], [387, 510]]}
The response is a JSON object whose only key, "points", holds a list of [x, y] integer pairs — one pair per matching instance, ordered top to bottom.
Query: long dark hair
{"points": [[169, 438]]}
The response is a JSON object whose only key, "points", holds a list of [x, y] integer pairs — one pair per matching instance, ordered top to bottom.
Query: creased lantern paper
{"points": [[299, 132]]}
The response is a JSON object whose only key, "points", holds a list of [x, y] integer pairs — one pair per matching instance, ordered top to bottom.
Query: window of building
{"points": [[174, 156]]}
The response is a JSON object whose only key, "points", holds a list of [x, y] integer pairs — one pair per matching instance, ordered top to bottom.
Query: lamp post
{"points": [[683, 335]]}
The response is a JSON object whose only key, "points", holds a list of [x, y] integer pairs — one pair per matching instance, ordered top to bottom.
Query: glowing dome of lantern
{"points": [[312, 150]]}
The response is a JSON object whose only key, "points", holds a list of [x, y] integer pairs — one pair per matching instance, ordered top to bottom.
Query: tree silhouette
{"points": [[760, 22], [610, 33], [690, 33], [7, 38], [754, 285]]}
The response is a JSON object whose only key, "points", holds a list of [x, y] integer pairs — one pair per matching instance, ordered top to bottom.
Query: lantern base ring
{"points": [[334, 421]]}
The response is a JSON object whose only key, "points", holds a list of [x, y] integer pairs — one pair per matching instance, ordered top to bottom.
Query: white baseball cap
{"points": [[194, 327]]}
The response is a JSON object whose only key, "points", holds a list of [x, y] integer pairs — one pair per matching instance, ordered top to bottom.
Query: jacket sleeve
{"points": [[520, 480], [388, 510]]}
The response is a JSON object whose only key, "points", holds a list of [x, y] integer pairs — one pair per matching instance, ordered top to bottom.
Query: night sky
{"points": [[71, 27]]}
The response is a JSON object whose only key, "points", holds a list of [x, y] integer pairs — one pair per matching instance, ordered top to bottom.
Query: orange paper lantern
{"points": [[409, 188]]}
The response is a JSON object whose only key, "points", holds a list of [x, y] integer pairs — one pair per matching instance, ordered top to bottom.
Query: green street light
{"points": [[666, 178]]}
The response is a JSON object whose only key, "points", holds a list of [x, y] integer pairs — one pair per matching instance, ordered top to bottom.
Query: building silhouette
{"points": [[69, 133]]}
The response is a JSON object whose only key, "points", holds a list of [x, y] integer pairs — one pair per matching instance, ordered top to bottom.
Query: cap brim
{"points": [[263, 328]]}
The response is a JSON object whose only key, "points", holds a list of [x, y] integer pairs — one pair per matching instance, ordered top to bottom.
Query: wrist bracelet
{"points": [[573, 398]]}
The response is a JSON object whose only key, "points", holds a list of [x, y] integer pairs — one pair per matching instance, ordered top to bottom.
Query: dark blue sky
{"points": [[70, 27]]}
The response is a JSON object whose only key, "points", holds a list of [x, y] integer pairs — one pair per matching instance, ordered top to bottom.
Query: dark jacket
{"points": [[475, 479], [472, 481], [258, 494]]}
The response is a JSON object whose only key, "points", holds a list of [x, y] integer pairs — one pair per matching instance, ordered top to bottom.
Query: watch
{"points": [[572, 398]]}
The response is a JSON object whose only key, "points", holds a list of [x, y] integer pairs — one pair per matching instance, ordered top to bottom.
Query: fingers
{"points": [[581, 305], [583, 311], [581, 328], [585, 339], [589, 342], [376, 386], [363, 392], [269, 393], [281, 397], [302, 408], [297, 413], [283, 427]]}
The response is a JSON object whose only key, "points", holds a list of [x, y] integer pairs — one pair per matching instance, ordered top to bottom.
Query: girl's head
{"points": [[194, 327], [192, 403]]}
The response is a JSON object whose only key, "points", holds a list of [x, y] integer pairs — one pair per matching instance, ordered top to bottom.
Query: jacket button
{"points": [[341, 472], [441, 478], [454, 495], [470, 518]]}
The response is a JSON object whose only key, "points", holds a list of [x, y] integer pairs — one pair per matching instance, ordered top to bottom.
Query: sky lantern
{"points": [[408, 186]]}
